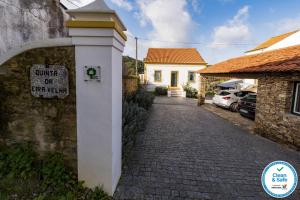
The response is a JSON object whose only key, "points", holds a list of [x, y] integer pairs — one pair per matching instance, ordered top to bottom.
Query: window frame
{"points": [[189, 77], [157, 81], [296, 93]]}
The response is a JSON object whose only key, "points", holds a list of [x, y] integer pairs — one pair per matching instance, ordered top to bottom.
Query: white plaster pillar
{"points": [[97, 33]]}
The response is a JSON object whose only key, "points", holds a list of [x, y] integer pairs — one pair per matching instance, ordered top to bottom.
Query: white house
{"points": [[277, 42], [173, 68]]}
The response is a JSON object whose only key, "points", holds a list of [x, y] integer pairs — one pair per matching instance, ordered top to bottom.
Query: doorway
{"points": [[174, 78]]}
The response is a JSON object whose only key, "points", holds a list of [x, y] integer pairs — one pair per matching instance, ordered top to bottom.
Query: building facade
{"points": [[277, 42], [173, 68], [277, 114]]}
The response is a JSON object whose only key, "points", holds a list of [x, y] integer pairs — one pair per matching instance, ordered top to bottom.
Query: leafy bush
{"points": [[129, 66], [161, 91], [190, 91], [210, 93], [143, 98], [135, 115], [134, 120], [17, 161], [55, 175], [24, 176]]}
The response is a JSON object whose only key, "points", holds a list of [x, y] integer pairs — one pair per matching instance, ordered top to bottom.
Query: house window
{"points": [[157, 76], [192, 77], [296, 99]]}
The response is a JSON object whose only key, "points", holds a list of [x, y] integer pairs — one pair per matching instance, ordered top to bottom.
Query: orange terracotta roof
{"points": [[272, 41], [174, 56], [280, 60]]}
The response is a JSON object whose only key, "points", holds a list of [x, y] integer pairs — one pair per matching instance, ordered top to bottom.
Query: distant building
{"points": [[277, 42], [173, 68]]}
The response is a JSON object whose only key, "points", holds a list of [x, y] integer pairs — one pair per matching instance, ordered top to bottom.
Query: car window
{"points": [[223, 93], [244, 93], [239, 94], [251, 98]]}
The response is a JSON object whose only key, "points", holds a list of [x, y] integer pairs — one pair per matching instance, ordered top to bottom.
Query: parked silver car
{"points": [[229, 99]]}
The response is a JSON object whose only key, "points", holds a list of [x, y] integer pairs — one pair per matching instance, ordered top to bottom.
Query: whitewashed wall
{"points": [[24, 21], [291, 40], [166, 74], [99, 107]]}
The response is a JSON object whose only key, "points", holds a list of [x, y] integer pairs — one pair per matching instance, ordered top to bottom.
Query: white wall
{"points": [[292, 40], [166, 70], [99, 107], [116, 116], [94, 129]]}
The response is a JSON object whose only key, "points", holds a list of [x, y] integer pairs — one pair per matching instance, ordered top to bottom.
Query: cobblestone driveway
{"points": [[187, 152]]}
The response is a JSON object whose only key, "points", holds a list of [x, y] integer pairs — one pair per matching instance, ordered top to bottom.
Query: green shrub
{"points": [[161, 91], [190, 91], [210, 93], [142, 97], [134, 116], [134, 120], [17, 161], [23, 177], [56, 177]]}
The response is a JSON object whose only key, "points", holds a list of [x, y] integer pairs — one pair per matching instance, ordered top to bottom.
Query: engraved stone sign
{"points": [[49, 81]]}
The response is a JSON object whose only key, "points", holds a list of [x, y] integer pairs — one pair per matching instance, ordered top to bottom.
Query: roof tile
{"points": [[174, 56], [280, 60]]}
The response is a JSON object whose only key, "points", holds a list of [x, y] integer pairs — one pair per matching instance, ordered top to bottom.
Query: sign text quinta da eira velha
{"points": [[49, 81]]}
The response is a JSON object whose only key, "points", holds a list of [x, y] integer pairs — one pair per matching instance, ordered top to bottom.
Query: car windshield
{"points": [[223, 93]]}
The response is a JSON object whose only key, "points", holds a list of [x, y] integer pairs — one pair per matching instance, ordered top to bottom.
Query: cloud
{"points": [[125, 4], [196, 6], [170, 19], [167, 21], [286, 25], [235, 30], [130, 44]]}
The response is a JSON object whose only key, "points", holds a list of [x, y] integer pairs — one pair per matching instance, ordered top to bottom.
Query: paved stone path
{"points": [[233, 117], [187, 152]]}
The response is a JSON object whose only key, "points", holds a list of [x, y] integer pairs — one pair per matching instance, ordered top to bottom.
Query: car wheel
{"points": [[234, 107]]}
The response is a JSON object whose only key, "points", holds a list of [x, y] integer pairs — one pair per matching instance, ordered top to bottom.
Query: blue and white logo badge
{"points": [[279, 179]]}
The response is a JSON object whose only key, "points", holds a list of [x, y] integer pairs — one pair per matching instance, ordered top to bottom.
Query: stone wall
{"points": [[23, 21], [274, 119], [50, 124]]}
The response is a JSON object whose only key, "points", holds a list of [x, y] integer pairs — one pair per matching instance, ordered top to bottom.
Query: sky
{"points": [[219, 29]]}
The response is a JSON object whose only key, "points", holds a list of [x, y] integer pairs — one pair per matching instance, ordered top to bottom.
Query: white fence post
{"points": [[99, 39]]}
